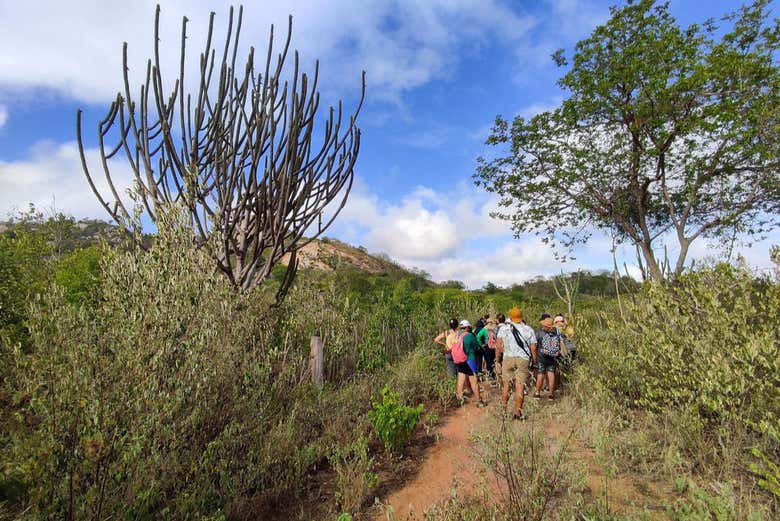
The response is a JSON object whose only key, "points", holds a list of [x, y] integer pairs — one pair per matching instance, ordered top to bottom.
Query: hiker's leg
{"points": [[490, 362], [507, 373], [551, 380], [539, 381], [466, 385], [474, 386], [459, 388], [505, 393], [519, 397]]}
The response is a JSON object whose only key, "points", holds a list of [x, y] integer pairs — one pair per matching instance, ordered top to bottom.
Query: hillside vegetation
{"points": [[139, 385]]}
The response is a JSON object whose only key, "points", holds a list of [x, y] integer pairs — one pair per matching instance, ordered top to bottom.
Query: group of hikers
{"points": [[506, 351]]}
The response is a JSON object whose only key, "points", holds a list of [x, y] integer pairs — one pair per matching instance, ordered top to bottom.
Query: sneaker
{"points": [[537, 396], [551, 397], [519, 417]]}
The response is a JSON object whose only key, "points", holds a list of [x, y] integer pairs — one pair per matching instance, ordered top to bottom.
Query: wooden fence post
{"points": [[315, 360]]}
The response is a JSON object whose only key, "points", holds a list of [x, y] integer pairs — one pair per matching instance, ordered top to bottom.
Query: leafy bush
{"points": [[24, 273], [79, 274], [709, 342], [699, 356], [163, 393], [171, 398], [393, 422], [767, 467], [718, 502]]}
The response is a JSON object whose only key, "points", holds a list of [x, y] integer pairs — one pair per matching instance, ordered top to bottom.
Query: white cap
{"points": [[465, 323]]}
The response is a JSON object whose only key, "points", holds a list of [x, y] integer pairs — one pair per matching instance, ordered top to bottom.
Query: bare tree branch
{"points": [[241, 153]]}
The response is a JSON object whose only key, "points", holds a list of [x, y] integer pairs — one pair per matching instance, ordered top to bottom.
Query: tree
{"points": [[664, 131], [239, 153], [452, 284]]}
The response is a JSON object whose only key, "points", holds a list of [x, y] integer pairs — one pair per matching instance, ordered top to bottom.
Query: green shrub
{"points": [[78, 273], [710, 341], [700, 357], [393, 422], [767, 467], [718, 502]]}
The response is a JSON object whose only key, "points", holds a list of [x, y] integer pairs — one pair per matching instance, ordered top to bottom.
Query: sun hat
{"points": [[516, 315], [465, 323]]}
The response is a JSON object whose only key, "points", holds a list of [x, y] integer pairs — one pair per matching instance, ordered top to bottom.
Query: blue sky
{"points": [[438, 74]]}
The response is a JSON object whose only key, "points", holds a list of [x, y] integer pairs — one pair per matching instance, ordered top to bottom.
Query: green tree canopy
{"points": [[665, 130]]}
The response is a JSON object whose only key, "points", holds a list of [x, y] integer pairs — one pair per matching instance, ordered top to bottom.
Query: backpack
{"points": [[492, 338], [520, 341], [458, 354]]}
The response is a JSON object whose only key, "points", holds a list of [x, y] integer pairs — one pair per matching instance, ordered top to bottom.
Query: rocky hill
{"points": [[328, 254]]}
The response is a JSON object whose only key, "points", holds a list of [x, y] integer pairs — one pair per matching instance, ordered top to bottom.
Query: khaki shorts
{"points": [[514, 368]]}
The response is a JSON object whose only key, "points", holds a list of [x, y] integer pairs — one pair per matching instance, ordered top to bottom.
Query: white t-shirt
{"points": [[511, 347]]}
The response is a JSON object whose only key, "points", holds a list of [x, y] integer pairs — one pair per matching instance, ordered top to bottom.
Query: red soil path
{"points": [[448, 465]]}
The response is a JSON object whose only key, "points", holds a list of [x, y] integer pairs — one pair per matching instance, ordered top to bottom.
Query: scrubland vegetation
{"points": [[139, 385], [675, 397]]}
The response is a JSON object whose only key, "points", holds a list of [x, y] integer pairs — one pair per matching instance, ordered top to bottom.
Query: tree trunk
{"points": [[684, 244], [652, 264]]}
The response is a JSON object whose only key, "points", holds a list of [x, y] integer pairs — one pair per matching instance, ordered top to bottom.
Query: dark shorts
{"points": [[546, 363], [474, 365], [464, 368]]}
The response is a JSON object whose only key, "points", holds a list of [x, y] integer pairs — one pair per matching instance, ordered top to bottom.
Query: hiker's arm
{"points": [[440, 339], [499, 345], [533, 352]]}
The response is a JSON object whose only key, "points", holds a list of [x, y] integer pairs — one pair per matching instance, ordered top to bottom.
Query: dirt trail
{"points": [[449, 464]]}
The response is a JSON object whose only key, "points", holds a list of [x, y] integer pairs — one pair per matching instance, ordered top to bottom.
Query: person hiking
{"points": [[480, 323], [500, 323], [538, 332], [566, 333], [445, 340], [487, 341], [517, 342], [549, 342], [465, 346], [480, 353]]}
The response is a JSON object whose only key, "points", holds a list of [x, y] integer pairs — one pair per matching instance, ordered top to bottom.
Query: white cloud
{"points": [[576, 18], [568, 22], [402, 44], [537, 108], [3, 115], [52, 176], [425, 224], [449, 234], [452, 236], [507, 262]]}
